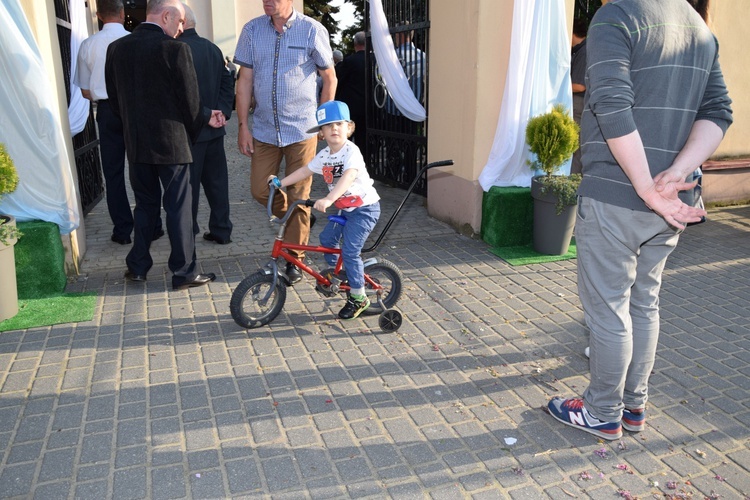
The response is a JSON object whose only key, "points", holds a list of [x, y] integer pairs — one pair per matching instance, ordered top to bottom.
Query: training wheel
{"points": [[390, 320]]}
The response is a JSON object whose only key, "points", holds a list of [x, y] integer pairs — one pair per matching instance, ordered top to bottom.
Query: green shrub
{"points": [[553, 138], [8, 174], [8, 184]]}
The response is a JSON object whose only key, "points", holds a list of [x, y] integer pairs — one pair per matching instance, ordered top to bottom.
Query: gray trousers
{"points": [[621, 256]]}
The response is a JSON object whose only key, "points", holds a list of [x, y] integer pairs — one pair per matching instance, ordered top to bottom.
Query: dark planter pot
{"points": [[552, 232], [8, 290]]}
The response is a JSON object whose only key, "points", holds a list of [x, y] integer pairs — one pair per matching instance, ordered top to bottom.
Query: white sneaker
{"points": [[587, 351]]}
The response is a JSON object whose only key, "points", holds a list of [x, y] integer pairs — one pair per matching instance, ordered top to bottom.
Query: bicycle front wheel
{"points": [[389, 277], [249, 306]]}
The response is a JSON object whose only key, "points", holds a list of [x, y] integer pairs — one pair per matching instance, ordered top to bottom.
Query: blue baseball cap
{"points": [[331, 112]]}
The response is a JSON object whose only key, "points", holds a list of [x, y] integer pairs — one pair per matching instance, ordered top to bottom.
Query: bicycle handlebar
{"points": [[290, 210]]}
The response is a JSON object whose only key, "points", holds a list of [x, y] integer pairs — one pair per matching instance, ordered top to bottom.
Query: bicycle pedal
{"points": [[324, 290]]}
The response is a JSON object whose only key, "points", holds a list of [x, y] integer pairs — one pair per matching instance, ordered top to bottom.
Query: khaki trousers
{"points": [[267, 161], [621, 257]]}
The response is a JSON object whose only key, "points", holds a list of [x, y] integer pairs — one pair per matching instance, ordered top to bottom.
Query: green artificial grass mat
{"points": [[507, 216], [522, 255], [40, 261], [41, 281], [66, 308]]}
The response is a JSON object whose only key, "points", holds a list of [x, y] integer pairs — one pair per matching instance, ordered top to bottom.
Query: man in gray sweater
{"points": [[656, 108]]}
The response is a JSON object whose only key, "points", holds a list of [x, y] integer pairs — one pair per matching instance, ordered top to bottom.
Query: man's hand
{"points": [[218, 119], [245, 141], [671, 178], [659, 192], [665, 202]]}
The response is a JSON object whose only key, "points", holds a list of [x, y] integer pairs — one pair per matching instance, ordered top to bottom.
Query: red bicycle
{"points": [[260, 297]]}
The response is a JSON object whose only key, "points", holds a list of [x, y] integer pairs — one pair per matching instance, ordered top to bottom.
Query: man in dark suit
{"points": [[152, 85], [351, 88], [209, 167]]}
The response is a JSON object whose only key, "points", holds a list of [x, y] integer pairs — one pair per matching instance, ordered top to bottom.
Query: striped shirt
{"points": [[285, 66], [652, 67]]}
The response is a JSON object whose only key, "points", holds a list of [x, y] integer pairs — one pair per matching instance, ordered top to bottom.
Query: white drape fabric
{"points": [[390, 68], [538, 77], [78, 109], [31, 129]]}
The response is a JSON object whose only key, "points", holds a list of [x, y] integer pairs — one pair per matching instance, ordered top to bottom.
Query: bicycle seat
{"points": [[338, 219]]}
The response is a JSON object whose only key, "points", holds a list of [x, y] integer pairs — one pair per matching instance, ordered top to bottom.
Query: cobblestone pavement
{"points": [[162, 396]]}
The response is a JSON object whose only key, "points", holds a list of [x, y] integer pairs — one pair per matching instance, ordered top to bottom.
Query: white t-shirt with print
{"points": [[333, 166]]}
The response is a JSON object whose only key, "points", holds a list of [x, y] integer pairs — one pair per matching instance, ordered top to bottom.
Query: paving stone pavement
{"points": [[163, 396]]}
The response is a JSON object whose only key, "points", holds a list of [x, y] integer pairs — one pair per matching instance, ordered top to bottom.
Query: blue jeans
{"points": [[359, 224]]}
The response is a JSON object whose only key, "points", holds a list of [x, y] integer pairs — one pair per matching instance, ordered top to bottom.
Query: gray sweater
{"points": [[653, 67]]}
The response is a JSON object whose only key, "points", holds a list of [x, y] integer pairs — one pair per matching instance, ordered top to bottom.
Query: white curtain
{"points": [[390, 68], [538, 77], [78, 109], [31, 128]]}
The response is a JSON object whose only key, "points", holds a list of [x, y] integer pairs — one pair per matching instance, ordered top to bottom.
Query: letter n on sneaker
{"points": [[572, 412]]}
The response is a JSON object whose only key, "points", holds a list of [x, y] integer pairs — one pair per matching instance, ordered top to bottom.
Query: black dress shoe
{"points": [[158, 234], [212, 237], [122, 241], [293, 273], [131, 276], [199, 280]]}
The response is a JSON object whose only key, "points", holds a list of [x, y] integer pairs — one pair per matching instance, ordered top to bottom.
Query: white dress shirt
{"points": [[91, 56]]}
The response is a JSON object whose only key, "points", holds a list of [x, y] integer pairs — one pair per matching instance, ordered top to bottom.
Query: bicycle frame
{"points": [[280, 249]]}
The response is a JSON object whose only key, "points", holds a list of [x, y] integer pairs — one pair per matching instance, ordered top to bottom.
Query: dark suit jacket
{"points": [[215, 82], [152, 85], [351, 85]]}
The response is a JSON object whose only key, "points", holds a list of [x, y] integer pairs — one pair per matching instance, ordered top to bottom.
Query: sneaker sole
{"points": [[632, 428], [590, 430]]}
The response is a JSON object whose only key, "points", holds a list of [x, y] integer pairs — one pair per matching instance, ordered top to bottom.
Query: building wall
{"points": [[733, 36], [469, 52]]}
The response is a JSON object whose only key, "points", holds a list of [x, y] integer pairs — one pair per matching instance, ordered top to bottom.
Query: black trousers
{"points": [[112, 146], [209, 168], [147, 182]]}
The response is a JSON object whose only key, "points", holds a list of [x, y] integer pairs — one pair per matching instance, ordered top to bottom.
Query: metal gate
{"points": [[396, 147], [88, 162]]}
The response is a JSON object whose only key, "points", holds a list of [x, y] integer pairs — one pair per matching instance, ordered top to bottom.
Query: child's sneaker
{"points": [[354, 306], [572, 412], [634, 420]]}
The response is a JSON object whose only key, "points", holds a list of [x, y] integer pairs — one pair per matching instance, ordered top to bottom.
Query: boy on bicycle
{"points": [[351, 190]]}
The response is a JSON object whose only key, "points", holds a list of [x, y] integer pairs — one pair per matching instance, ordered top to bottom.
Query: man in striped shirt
{"points": [[281, 54], [656, 108]]}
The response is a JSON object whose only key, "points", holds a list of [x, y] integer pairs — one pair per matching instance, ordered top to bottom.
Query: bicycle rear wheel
{"points": [[387, 275], [248, 307]]}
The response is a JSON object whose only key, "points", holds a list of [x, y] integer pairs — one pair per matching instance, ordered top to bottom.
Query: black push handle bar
{"points": [[443, 163]]}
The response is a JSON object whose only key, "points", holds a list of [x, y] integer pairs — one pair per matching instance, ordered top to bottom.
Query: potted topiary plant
{"points": [[553, 138], [8, 237]]}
